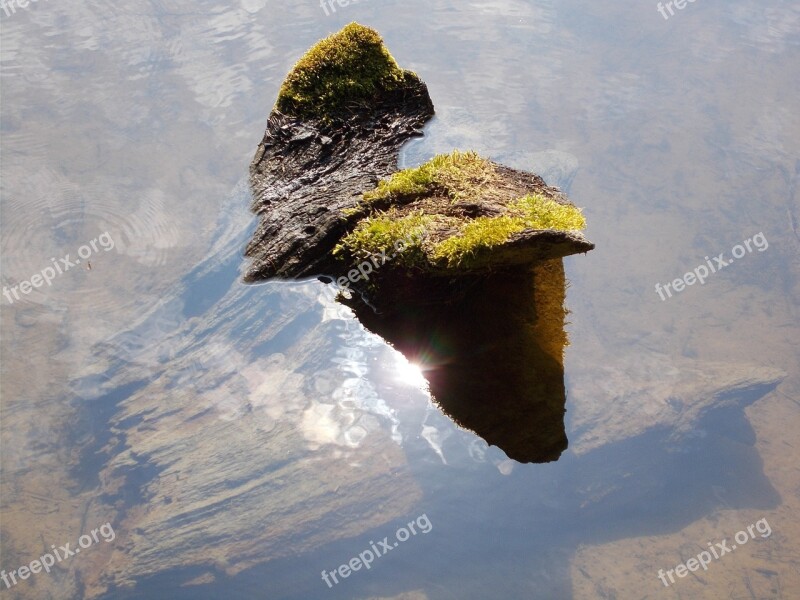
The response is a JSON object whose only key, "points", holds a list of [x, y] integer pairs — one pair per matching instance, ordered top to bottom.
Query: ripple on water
{"points": [[49, 216]]}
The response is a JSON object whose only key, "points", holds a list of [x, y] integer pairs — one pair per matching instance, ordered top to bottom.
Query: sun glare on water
{"points": [[410, 373]]}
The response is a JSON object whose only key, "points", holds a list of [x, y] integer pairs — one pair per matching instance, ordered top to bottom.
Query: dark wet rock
{"points": [[306, 174]]}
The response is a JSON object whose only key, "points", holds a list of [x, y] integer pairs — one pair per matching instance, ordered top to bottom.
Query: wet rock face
{"points": [[307, 172]]}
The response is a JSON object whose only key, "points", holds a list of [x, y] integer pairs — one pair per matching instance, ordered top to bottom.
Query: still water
{"points": [[240, 440]]}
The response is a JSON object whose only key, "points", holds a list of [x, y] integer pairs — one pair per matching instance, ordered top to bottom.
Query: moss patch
{"points": [[339, 73], [459, 175], [533, 211], [538, 212], [483, 232], [384, 233]]}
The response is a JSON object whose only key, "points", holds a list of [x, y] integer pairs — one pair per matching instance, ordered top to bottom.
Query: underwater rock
{"points": [[654, 391], [233, 432]]}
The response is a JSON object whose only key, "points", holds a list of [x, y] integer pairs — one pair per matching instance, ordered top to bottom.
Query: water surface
{"points": [[241, 439]]}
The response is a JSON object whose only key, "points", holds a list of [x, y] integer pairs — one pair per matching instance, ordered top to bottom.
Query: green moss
{"points": [[340, 72], [459, 175], [409, 182], [529, 212], [538, 212], [483, 232], [382, 233], [451, 240]]}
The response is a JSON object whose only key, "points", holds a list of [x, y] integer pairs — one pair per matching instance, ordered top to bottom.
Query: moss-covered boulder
{"points": [[329, 195], [448, 251]]}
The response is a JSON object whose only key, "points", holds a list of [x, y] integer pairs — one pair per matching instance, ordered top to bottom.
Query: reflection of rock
{"points": [[493, 355]]}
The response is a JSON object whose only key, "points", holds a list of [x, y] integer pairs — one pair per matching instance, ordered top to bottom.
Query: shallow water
{"points": [[241, 439]]}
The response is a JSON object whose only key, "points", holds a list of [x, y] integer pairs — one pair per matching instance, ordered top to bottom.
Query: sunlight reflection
{"points": [[410, 373]]}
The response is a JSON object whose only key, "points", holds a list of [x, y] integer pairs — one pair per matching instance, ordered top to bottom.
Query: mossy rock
{"points": [[340, 74], [329, 196], [463, 212]]}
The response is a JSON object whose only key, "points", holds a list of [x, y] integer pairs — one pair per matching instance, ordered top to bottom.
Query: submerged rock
{"points": [[665, 393]]}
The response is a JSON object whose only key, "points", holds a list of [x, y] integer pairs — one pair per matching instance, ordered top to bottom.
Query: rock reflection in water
{"points": [[492, 352]]}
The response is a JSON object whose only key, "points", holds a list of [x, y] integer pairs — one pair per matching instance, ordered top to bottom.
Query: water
{"points": [[241, 439]]}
